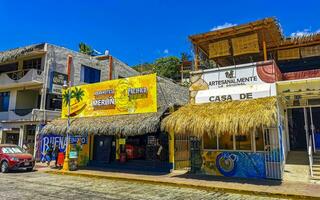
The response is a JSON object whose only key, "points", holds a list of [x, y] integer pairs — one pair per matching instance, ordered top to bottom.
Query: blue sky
{"points": [[137, 31]]}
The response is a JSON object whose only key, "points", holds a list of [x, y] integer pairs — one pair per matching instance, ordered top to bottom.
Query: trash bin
{"points": [[60, 159]]}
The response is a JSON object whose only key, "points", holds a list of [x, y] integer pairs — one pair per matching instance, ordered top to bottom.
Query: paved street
{"points": [[37, 185]]}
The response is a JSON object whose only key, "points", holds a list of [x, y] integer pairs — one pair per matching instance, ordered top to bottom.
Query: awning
{"points": [[299, 92], [236, 93], [234, 117], [126, 125]]}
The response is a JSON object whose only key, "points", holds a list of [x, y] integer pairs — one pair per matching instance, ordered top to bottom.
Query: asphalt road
{"points": [[38, 185]]}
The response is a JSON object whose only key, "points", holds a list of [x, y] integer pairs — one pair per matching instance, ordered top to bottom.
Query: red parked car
{"points": [[13, 157]]}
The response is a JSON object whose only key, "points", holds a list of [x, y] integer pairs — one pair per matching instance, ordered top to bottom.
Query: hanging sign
{"points": [[240, 75], [232, 77], [57, 80], [237, 93], [121, 96], [122, 141]]}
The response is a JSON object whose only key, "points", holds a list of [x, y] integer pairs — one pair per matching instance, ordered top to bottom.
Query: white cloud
{"points": [[225, 25], [318, 31], [299, 33], [166, 51]]}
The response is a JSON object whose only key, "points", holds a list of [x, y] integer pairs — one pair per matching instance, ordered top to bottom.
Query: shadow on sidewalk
{"points": [[21, 171], [125, 171], [189, 175], [263, 182]]}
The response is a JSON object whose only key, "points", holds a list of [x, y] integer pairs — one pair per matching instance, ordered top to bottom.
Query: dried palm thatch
{"points": [[13, 54], [168, 94], [235, 117], [126, 125]]}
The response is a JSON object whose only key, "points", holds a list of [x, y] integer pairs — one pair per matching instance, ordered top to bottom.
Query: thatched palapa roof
{"points": [[13, 54], [168, 94], [235, 117]]}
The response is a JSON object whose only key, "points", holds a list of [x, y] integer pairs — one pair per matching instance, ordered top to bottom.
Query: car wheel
{"points": [[4, 167], [29, 169]]}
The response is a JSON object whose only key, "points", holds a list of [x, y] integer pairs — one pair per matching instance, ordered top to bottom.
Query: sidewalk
{"points": [[295, 190]]}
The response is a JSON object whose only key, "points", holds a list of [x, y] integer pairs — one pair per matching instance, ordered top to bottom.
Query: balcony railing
{"points": [[17, 75], [21, 77], [22, 112], [29, 114], [45, 115]]}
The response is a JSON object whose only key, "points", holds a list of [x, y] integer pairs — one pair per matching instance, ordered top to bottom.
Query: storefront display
{"points": [[236, 117], [122, 119]]}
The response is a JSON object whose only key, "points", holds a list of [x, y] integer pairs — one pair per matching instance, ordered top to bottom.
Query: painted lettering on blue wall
{"points": [[60, 141]]}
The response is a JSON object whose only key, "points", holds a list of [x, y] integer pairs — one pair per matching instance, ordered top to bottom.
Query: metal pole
{"points": [[312, 130], [66, 160]]}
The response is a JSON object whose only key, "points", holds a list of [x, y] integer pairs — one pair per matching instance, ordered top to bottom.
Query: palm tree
{"points": [[85, 49], [185, 57], [78, 93], [66, 96]]}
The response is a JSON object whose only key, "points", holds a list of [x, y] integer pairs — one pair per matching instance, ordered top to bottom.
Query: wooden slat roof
{"points": [[268, 26]]}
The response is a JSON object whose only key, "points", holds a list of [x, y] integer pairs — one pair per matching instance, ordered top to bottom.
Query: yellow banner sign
{"points": [[121, 96]]}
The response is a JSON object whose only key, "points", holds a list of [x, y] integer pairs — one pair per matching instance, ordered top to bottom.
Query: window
{"points": [[32, 64], [9, 67], [89, 75], [4, 101], [54, 102], [259, 140], [228, 141], [209, 142], [243, 142], [12, 150]]}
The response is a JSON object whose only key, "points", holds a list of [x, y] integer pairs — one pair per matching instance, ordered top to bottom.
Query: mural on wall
{"points": [[78, 144], [234, 164]]}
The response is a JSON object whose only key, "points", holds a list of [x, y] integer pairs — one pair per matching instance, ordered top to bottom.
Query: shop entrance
{"points": [[304, 127], [314, 128], [297, 134], [102, 148], [149, 152]]}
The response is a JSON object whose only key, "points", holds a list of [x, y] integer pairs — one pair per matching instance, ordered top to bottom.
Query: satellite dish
{"points": [[106, 52]]}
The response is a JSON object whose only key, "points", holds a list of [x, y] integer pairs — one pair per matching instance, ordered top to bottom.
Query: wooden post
{"points": [[264, 47], [265, 56], [196, 58], [69, 62], [110, 67], [91, 142], [171, 143], [117, 148]]}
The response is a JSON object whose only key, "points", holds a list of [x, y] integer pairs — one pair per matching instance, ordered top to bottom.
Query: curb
{"points": [[186, 185]]}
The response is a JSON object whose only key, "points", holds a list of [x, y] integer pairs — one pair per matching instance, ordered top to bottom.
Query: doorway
{"points": [[314, 115], [304, 124], [297, 133], [102, 148]]}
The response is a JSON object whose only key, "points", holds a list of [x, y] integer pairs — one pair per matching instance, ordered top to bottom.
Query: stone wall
{"points": [[57, 61]]}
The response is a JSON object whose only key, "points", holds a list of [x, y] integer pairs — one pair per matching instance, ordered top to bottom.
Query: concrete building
{"points": [[238, 71], [31, 80]]}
